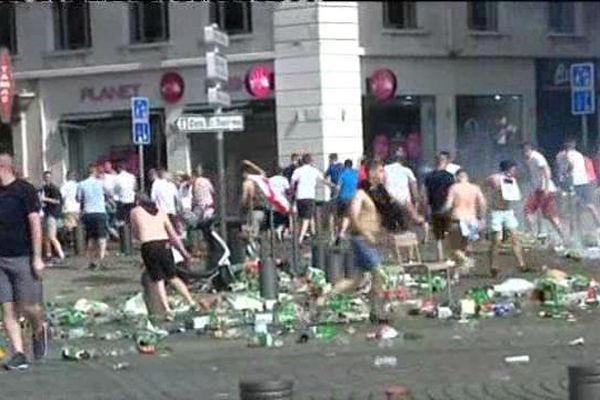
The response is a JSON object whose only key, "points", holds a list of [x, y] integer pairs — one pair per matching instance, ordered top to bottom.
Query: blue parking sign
{"points": [[583, 96], [140, 121], [141, 133]]}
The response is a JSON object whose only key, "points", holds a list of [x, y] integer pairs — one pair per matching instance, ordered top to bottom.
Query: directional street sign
{"points": [[212, 35], [216, 66], [216, 95], [583, 95], [140, 121], [210, 123]]}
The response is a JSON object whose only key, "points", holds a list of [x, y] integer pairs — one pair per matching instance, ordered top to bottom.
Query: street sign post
{"points": [[212, 35], [217, 67], [583, 95], [210, 123], [140, 130]]}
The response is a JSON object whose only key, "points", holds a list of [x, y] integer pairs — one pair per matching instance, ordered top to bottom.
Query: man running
{"points": [[573, 173], [401, 183], [437, 185], [504, 193], [91, 194], [543, 195], [166, 196], [52, 202], [467, 207], [72, 208], [365, 221], [21, 264]]}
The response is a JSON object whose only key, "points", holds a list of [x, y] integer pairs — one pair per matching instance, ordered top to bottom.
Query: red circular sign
{"points": [[260, 81], [383, 84], [172, 87]]}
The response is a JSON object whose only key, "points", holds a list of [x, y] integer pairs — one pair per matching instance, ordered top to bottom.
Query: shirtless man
{"points": [[504, 192], [466, 205], [253, 206], [365, 226]]}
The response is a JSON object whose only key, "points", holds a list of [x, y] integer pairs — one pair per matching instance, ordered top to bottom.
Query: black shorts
{"points": [[343, 206], [306, 208], [124, 211], [280, 219], [440, 224], [95, 225], [158, 260]]}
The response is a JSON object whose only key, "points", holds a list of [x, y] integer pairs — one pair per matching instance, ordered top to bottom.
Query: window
{"points": [[400, 15], [482, 16], [234, 17], [561, 17], [149, 22], [72, 26], [8, 29]]}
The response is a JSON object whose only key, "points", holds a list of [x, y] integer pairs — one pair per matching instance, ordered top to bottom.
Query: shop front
{"points": [[555, 120]]}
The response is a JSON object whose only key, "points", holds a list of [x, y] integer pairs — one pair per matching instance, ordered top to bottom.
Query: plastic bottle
{"points": [[385, 361]]}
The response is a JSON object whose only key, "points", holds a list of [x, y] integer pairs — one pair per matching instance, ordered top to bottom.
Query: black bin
{"points": [[235, 242], [319, 249], [334, 266], [584, 382], [266, 390]]}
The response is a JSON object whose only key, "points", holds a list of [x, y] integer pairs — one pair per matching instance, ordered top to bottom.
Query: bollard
{"points": [[125, 239], [79, 241], [235, 242], [319, 249], [334, 266], [351, 270], [268, 279], [584, 382], [266, 390]]}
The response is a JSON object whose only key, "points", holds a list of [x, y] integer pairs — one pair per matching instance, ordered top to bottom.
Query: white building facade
{"points": [[427, 76]]}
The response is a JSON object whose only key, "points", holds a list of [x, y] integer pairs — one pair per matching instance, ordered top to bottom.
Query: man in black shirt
{"points": [[289, 170], [437, 185], [52, 207], [21, 263]]}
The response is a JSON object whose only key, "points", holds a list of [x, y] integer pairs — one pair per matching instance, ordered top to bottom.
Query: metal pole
{"points": [[584, 131], [141, 167], [222, 188], [295, 268]]}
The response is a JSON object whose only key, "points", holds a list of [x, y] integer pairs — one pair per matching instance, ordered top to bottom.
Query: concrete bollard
{"points": [[125, 239], [79, 242], [318, 251], [334, 266], [268, 279], [266, 390]]}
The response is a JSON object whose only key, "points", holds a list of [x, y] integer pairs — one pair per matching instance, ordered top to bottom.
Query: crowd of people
{"points": [[379, 197]]}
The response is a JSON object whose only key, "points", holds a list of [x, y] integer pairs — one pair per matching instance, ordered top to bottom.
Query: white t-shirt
{"points": [[576, 159], [535, 165], [452, 168], [307, 178], [109, 180], [397, 181], [280, 184], [125, 187], [69, 194], [164, 194], [185, 194]]}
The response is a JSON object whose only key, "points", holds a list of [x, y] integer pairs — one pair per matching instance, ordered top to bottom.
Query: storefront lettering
{"points": [[561, 75], [110, 93]]}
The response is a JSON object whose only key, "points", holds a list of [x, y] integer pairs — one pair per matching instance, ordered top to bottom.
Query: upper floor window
{"points": [[400, 15], [482, 15], [234, 17], [561, 17], [149, 22], [72, 26], [8, 27]]}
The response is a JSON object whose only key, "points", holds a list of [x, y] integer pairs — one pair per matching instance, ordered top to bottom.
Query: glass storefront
{"points": [[404, 121], [489, 130]]}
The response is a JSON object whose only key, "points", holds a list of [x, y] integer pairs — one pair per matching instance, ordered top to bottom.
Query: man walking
{"points": [[108, 176], [437, 185], [125, 187], [504, 193], [91, 194], [543, 194], [166, 196], [71, 207], [52, 208], [21, 264]]}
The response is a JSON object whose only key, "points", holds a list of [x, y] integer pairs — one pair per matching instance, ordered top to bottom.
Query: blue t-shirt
{"points": [[334, 171], [348, 182], [90, 192]]}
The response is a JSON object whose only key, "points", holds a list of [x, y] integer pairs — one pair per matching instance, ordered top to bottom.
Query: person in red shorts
{"points": [[543, 195]]}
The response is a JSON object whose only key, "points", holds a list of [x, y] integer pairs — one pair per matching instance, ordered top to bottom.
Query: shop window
{"points": [[400, 15], [482, 15], [234, 17], [561, 17], [149, 22], [72, 26], [8, 27], [489, 130]]}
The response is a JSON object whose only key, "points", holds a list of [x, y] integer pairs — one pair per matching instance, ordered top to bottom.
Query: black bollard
{"points": [[125, 239], [79, 241], [319, 249], [334, 266], [268, 279], [584, 383], [266, 390]]}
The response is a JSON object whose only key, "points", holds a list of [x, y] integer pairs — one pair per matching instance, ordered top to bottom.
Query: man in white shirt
{"points": [[451, 167], [573, 173], [109, 176], [304, 181], [400, 181], [280, 185], [543, 190], [124, 191], [166, 196], [71, 207]]}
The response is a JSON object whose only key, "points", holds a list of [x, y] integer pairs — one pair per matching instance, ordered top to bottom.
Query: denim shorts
{"points": [[503, 219], [367, 257]]}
